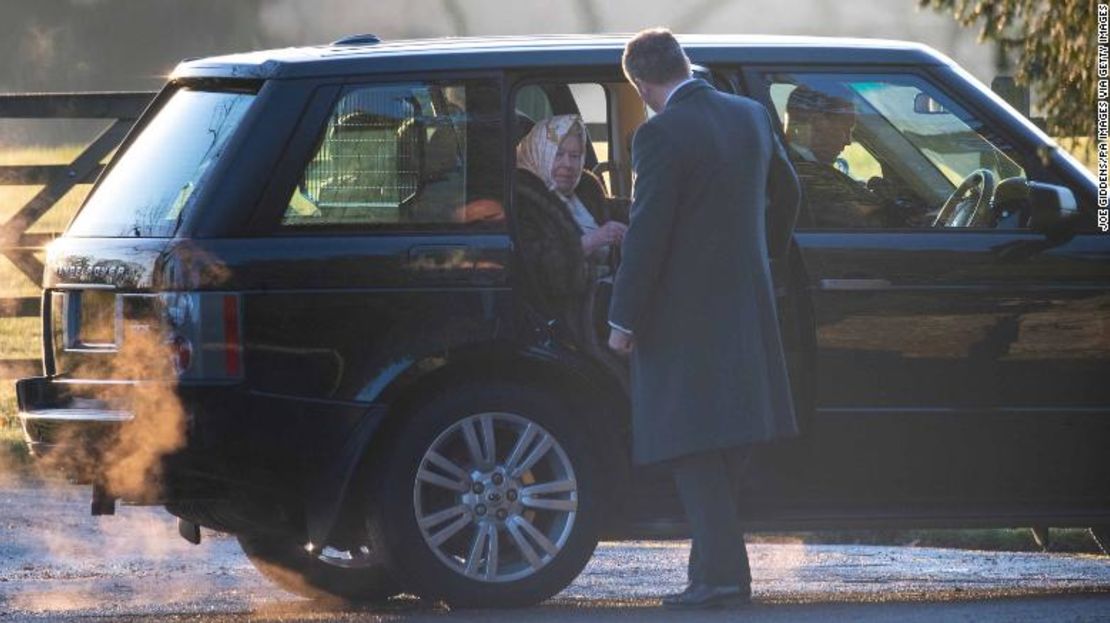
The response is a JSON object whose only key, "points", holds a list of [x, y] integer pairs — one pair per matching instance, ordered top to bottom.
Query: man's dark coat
{"points": [[694, 283]]}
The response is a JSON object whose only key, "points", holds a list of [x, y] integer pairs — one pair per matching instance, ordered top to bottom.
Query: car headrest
{"points": [[524, 125]]}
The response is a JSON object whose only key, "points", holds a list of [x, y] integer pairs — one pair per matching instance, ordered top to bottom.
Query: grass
{"points": [[39, 154], [12, 198], [20, 338], [12, 450]]}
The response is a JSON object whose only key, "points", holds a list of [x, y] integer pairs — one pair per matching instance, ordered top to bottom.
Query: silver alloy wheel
{"points": [[495, 497]]}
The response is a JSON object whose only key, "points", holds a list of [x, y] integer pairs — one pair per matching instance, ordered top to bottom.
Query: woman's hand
{"points": [[609, 233], [621, 341]]}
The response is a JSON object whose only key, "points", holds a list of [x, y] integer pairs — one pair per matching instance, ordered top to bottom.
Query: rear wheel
{"points": [[489, 497], [350, 575]]}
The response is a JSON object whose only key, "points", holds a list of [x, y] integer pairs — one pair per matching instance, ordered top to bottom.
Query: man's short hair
{"points": [[654, 56], [805, 101]]}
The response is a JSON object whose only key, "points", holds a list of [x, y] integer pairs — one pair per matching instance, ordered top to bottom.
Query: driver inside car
{"points": [[818, 127]]}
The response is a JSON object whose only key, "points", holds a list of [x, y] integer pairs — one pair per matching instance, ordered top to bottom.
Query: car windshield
{"points": [[950, 138], [153, 183]]}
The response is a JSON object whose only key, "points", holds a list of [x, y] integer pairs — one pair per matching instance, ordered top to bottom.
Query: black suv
{"points": [[296, 308]]}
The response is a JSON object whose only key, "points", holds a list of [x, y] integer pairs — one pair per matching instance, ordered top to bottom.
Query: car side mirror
{"points": [[925, 105], [1045, 208], [1054, 211]]}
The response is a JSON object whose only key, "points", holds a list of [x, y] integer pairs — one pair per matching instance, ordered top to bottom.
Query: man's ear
{"points": [[800, 132]]}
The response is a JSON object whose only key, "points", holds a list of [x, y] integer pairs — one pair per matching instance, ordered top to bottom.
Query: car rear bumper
{"points": [[51, 416], [83, 426], [45, 428], [232, 441]]}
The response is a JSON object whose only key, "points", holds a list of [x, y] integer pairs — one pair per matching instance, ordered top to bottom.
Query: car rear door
{"points": [[383, 239]]}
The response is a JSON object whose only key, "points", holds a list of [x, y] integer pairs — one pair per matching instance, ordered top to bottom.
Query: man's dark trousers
{"points": [[706, 483]]}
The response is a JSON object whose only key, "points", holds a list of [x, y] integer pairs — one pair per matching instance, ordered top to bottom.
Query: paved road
{"points": [[58, 563]]}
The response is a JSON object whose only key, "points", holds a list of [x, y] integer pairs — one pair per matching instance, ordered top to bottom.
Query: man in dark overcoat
{"points": [[693, 304]]}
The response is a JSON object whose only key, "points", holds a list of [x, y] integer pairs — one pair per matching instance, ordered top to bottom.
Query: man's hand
{"points": [[621, 342]]}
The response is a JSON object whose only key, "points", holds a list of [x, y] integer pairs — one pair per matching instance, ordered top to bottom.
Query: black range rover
{"points": [[295, 308]]}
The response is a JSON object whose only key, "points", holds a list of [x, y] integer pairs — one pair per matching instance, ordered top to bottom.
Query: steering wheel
{"points": [[971, 210]]}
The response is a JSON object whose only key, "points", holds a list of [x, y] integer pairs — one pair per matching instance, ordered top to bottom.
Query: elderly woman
{"points": [[563, 216]]}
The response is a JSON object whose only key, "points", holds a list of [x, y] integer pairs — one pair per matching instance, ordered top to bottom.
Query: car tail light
{"points": [[199, 330], [231, 334], [181, 354]]}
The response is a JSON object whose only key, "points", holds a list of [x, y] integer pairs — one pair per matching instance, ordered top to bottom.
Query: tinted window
{"points": [[531, 100], [881, 150], [412, 155], [154, 181]]}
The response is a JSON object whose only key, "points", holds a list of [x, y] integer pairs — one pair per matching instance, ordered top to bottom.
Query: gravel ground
{"points": [[59, 563]]}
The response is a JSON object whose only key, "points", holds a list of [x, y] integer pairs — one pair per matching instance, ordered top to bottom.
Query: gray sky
{"points": [[132, 44], [111, 45]]}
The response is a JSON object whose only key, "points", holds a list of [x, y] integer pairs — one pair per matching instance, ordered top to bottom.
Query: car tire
{"points": [[455, 531], [287, 563]]}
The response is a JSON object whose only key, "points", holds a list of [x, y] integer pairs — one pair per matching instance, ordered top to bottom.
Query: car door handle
{"points": [[854, 284]]}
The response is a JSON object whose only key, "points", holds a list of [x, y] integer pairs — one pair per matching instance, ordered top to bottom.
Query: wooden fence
{"points": [[16, 244]]}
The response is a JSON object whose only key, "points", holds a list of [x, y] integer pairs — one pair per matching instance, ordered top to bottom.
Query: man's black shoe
{"points": [[708, 596]]}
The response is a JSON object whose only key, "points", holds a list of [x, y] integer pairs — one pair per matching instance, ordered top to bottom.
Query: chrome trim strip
{"points": [[854, 284], [83, 286], [107, 416]]}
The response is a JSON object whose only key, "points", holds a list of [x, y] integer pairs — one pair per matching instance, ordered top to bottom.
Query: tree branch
{"points": [[457, 16], [591, 20]]}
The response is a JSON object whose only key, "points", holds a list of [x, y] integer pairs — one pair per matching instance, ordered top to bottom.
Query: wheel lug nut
{"points": [[498, 479], [478, 488], [511, 495], [480, 509], [502, 513]]}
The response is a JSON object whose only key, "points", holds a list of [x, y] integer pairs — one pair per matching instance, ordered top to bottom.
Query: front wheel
{"points": [[489, 497]]}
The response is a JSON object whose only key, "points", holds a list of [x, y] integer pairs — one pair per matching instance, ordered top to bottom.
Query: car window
{"points": [[533, 102], [592, 104], [884, 150], [410, 155], [854, 161], [153, 183]]}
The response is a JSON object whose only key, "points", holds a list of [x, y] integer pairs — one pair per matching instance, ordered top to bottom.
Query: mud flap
{"points": [[327, 489], [103, 503]]}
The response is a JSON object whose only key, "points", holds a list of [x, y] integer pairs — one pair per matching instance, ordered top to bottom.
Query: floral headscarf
{"points": [[536, 151]]}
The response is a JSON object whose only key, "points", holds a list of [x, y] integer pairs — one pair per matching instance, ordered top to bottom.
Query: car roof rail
{"points": [[363, 39]]}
